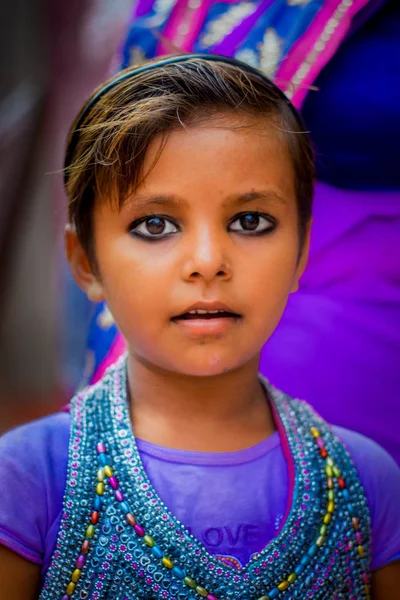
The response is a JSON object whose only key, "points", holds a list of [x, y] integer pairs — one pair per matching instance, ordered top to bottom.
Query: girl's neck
{"points": [[221, 413]]}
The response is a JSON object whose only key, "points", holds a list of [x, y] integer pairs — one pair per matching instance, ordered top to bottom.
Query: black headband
{"points": [[171, 60]]}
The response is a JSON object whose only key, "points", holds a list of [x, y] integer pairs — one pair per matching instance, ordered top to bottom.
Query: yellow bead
{"points": [[314, 432], [108, 471], [328, 471], [336, 471], [100, 475], [100, 488], [331, 507], [327, 518], [90, 532], [148, 540], [320, 541], [361, 551], [167, 562], [75, 575], [292, 577], [189, 582], [283, 585], [70, 588], [201, 591]]}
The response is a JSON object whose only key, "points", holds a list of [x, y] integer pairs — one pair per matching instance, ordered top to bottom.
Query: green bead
{"points": [[329, 462], [328, 471], [336, 471], [331, 495], [323, 530], [90, 532], [148, 540], [292, 577], [189, 582], [201, 591], [264, 598]]}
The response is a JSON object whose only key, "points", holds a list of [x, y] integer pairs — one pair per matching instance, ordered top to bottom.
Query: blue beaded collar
{"points": [[118, 541]]}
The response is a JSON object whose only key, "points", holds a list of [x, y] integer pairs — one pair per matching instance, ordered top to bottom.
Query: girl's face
{"points": [[197, 266]]}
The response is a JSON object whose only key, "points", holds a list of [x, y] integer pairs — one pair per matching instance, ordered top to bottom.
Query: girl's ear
{"points": [[303, 259], [80, 267]]}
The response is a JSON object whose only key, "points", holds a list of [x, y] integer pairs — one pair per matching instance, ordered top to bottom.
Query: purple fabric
{"points": [[344, 322], [197, 487]]}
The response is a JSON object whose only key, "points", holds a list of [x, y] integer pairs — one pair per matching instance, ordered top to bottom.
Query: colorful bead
{"points": [[314, 432], [100, 448], [323, 453], [102, 458], [108, 471], [329, 471], [336, 471], [100, 475], [113, 481], [329, 483], [341, 483], [100, 488], [119, 496], [97, 502], [125, 507], [331, 507], [327, 518], [94, 519], [131, 519], [354, 520], [139, 530], [90, 532], [148, 540], [320, 541], [85, 547], [361, 551], [158, 553], [80, 561], [167, 562], [178, 572], [76, 575], [292, 577], [189, 582], [283, 585], [70, 588], [201, 591], [273, 593], [211, 597]]}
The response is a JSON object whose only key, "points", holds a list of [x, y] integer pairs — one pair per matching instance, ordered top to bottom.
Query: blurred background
{"points": [[338, 345]]}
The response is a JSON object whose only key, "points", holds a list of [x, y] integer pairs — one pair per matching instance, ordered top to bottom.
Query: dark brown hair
{"points": [[107, 149]]}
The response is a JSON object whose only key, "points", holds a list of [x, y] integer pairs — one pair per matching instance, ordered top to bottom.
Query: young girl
{"points": [[182, 474]]}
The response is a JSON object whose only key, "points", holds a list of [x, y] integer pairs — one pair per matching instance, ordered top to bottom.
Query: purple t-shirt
{"points": [[195, 486]]}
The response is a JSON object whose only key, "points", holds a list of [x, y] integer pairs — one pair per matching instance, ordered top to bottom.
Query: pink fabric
{"points": [[304, 46], [118, 347]]}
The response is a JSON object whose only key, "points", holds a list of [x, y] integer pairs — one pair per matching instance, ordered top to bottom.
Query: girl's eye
{"points": [[252, 224], [153, 228]]}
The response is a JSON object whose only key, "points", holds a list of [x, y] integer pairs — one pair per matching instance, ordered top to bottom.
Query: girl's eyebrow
{"points": [[271, 196]]}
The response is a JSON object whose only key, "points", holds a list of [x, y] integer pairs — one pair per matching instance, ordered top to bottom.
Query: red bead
{"points": [[323, 452], [342, 483], [94, 519], [85, 547]]}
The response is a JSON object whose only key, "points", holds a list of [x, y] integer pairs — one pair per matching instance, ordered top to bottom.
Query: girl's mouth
{"points": [[201, 314]]}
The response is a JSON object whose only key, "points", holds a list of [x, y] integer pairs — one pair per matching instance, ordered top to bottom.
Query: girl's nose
{"points": [[206, 259]]}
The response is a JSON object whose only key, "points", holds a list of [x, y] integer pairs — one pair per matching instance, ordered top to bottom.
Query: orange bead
{"points": [[323, 452], [329, 483], [94, 519], [131, 519], [354, 520], [85, 547]]}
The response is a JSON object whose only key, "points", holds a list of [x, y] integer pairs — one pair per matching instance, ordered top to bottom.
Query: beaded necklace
{"points": [[118, 541]]}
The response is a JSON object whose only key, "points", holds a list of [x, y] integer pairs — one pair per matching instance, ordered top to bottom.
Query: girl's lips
{"points": [[201, 325]]}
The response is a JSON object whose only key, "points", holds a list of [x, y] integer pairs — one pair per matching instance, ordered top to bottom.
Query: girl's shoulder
{"points": [[33, 470], [380, 477]]}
